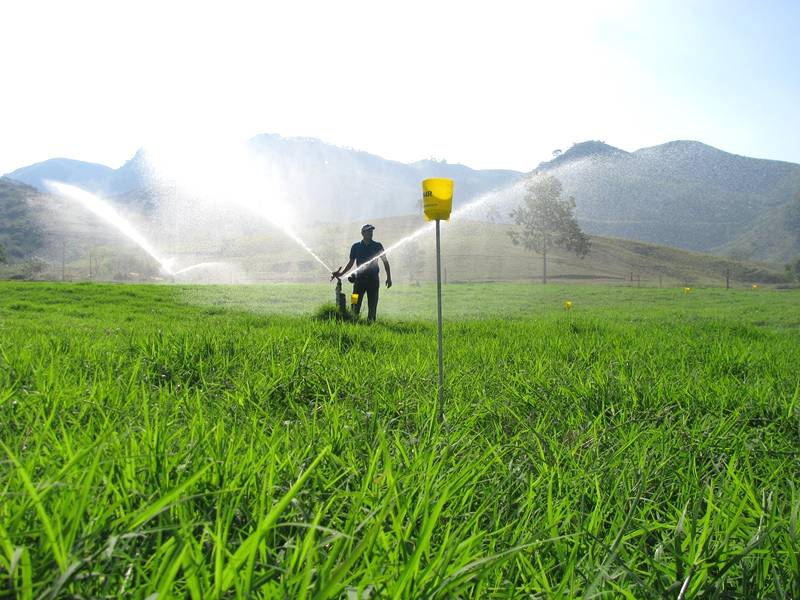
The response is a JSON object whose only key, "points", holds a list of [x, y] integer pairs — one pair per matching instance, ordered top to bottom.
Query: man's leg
{"points": [[359, 288], [372, 300]]}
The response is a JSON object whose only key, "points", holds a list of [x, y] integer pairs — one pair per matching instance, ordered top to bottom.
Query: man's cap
{"points": [[367, 227]]}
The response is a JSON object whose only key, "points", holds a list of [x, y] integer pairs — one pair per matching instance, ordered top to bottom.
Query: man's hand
{"points": [[336, 274], [388, 282]]}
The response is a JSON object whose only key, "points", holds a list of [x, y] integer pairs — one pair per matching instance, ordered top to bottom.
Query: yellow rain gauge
{"points": [[437, 202]]}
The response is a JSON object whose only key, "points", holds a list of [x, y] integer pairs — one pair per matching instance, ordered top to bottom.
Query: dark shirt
{"points": [[362, 253]]}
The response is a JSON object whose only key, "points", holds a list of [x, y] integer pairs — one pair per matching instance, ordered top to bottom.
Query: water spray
{"points": [[227, 173], [476, 204], [106, 212], [286, 228], [198, 266]]}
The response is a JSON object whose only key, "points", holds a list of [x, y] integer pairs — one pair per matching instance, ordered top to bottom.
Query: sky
{"points": [[496, 84]]}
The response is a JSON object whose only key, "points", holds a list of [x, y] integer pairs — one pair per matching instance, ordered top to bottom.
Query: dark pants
{"points": [[370, 287]]}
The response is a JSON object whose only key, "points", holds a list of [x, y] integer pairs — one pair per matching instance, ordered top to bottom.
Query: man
{"points": [[367, 278]]}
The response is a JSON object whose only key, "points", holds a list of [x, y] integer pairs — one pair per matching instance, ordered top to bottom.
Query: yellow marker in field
{"points": [[437, 198], [437, 202], [755, 286], [686, 290], [354, 298], [567, 304]]}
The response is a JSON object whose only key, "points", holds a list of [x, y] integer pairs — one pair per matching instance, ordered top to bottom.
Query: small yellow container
{"points": [[437, 198], [754, 286], [687, 290], [353, 298], [567, 304]]}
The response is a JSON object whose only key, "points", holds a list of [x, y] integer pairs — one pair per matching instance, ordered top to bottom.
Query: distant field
{"points": [[472, 252], [218, 441]]}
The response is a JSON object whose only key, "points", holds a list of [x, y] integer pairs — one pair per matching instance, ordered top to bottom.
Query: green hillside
{"points": [[683, 194], [19, 231], [775, 237]]}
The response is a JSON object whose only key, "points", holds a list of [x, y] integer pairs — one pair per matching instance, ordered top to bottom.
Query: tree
{"points": [[547, 220]]}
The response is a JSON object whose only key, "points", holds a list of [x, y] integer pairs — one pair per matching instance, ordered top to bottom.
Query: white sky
{"points": [[495, 84]]}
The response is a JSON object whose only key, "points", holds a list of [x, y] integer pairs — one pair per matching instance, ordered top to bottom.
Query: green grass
{"points": [[220, 442]]}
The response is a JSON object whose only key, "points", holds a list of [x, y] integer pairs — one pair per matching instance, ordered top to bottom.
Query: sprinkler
{"points": [[341, 299], [341, 302]]}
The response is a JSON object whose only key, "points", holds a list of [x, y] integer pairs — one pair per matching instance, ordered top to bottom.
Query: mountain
{"points": [[90, 176], [331, 183], [342, 184], [683, 193], [20, 233]]}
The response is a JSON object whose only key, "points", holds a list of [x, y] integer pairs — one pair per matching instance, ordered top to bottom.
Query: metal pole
{"points": [[439, 301]]}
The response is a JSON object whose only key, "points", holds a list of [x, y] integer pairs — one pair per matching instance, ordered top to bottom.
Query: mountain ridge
{"points": [[683, 193]]}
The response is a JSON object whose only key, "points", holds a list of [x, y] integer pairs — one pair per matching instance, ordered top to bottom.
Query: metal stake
{"points": [[439, 300]]}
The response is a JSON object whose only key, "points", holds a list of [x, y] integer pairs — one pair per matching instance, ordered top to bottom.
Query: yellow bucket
{"points": [[437, 198], [353, 298]]}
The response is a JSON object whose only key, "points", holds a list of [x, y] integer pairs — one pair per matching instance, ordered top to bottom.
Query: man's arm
{"points": [[341, 271], [388, 271]]}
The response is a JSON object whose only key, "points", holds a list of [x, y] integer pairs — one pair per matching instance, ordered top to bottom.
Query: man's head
{"points": [[366, 232]]}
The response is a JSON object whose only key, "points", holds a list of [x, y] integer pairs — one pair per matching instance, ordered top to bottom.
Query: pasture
{"points": [[219, 441]]}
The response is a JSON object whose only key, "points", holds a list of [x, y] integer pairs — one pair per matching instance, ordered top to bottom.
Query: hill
{"points": [[90, 176], [328, 182], [342, 184], [683, 193], [20, 232], [775, 237]]}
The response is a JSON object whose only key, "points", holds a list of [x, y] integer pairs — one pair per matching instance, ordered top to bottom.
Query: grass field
{"points": [[211, 442]]}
